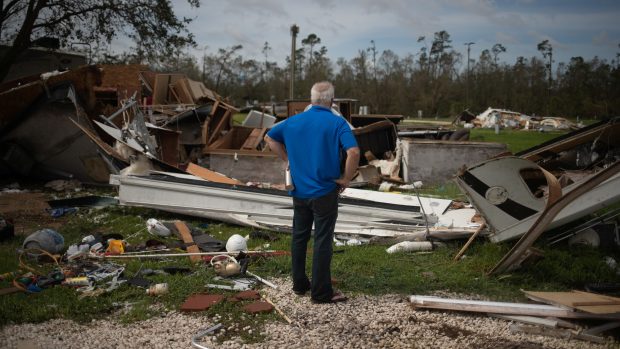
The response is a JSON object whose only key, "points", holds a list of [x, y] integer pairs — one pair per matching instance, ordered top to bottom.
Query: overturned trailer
{"points": [[512, 192]]}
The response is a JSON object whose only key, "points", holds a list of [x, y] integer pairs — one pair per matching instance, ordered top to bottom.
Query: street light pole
{"points": [[468, 44]]}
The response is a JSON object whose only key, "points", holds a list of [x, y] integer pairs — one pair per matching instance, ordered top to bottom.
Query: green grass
{"points": [[238, 118], [515, 140], [360, 270]]}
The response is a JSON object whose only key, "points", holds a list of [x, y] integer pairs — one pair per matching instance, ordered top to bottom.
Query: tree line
{"points": [[436, 80]]}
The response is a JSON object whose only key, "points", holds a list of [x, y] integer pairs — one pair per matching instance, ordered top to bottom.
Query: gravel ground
{"points": [[362, 322]]}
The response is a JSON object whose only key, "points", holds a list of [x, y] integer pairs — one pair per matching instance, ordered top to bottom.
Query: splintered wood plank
{"points": [[223, 123], [254, 139], [209, 175], [186, 236], [584, 301]]}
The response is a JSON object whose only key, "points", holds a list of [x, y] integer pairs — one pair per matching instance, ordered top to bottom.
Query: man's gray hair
{"points": [[322, 93]]}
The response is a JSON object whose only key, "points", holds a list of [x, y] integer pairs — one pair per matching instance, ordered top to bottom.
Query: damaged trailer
{"points": [[511, 192], [359, 213]]}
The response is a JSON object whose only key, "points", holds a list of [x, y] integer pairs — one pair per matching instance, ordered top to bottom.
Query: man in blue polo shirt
{"points": [[311, 142]]}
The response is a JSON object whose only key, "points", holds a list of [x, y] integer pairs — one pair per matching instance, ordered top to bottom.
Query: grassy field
{"points": [[515, 140]]}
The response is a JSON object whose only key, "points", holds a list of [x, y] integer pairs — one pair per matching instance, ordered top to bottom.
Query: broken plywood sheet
{"points": [[161, 87], [198, 90], [182, 92], [209, 175], [584, 301]]}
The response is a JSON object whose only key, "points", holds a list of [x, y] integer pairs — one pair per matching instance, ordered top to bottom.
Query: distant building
{"points": [[40, 60]]}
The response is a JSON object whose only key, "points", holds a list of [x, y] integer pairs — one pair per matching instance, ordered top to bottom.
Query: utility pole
{"points": [[294, 31], [468, 44]]}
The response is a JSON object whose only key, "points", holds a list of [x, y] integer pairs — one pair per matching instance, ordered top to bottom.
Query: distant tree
{"points": [[152, 24], [311, 41], [441, 43], [497, 49], [546, 49], [223, 58]]}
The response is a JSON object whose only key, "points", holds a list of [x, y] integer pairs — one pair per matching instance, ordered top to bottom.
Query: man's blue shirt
{"points": [[313, 140]]}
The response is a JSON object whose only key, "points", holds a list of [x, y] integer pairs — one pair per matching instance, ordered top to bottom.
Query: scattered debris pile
{"points": [[503, 118], [94, 121], [92, 266]]}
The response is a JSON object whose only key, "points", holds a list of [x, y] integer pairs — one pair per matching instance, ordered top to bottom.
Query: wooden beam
{"points": [[219, 127], [254, 139], [209, 175], [186, 236], [471, 239]]}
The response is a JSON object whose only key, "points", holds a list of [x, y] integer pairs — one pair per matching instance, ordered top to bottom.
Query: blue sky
{"points": [[574, 28]]}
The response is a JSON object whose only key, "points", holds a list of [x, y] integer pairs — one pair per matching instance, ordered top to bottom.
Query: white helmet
{"points": [[236, 243]]}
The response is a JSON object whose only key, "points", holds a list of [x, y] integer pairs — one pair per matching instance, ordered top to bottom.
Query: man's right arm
{"points": [[277, 147]]}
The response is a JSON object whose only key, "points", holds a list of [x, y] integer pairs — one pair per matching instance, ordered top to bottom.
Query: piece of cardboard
{"points": [[584, 301]]}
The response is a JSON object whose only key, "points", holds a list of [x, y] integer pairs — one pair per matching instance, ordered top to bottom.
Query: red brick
{"points": [[249, 294], [200, 302], [258, 307]]}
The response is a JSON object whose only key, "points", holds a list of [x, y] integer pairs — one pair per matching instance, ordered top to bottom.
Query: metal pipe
{"points": [[156, 255], [262, 280], [204, 333]]}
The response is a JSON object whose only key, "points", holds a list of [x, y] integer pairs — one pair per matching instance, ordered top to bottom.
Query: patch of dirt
{"points": [[28, 212], [453, 331]]}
